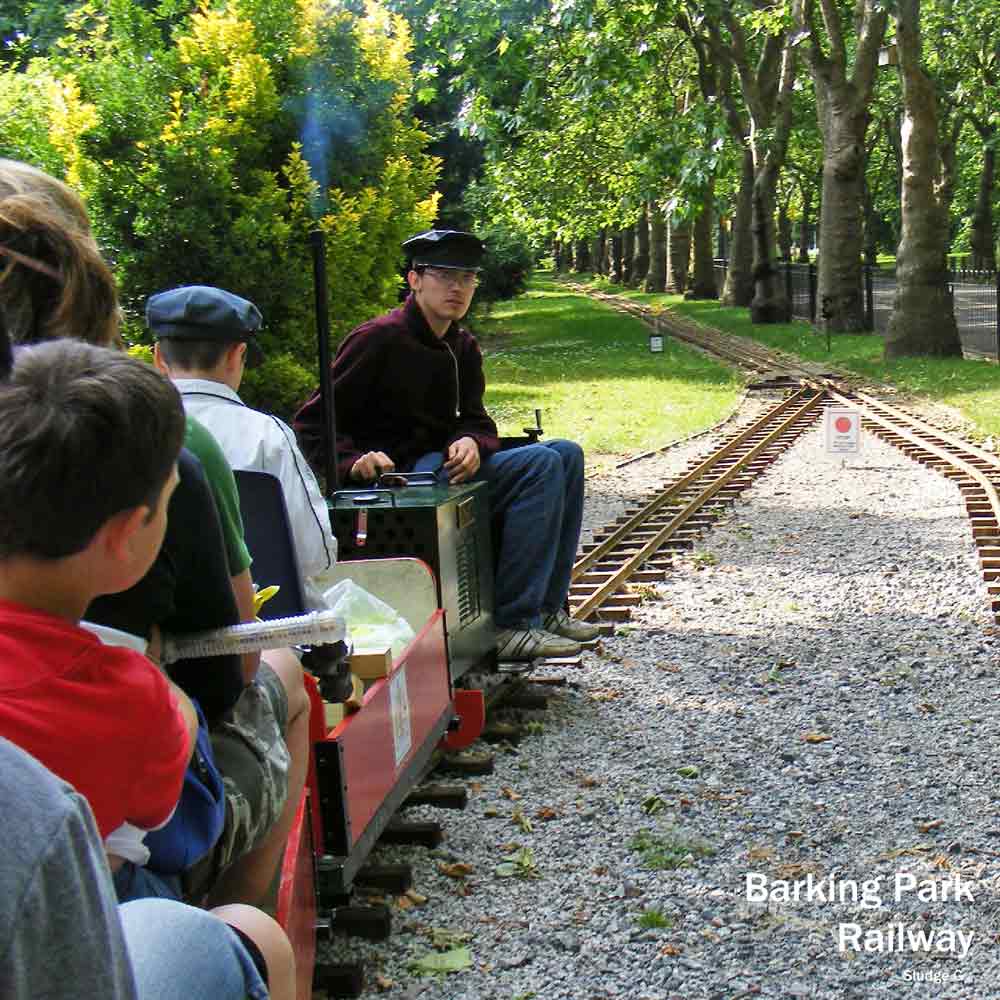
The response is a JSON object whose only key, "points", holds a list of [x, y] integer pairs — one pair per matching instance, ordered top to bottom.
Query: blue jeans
{"points": [[537, 492], [136, 882], [179, 952]]}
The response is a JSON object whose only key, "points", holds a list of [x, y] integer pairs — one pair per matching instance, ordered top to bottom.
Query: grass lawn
{"points": [[589, 369], [971, 387]]}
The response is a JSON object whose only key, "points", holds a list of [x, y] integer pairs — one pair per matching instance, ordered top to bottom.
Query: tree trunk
{"points": [[767, 95], [842, 111], [948, 133], [894, 140], [806, 194], [869, 220], [784, 232], [983, 233], [601, 253], [628, 254], [568, 255], [678, 256], [582, 261], [640, 265], [616, 269], [703, 275], [656, 278], [738, 290], [839, 300], [769, 304], [923, 321]]}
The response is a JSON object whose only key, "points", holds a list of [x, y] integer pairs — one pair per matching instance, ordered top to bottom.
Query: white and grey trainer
{"points": [[560, 623], [533, 644]]}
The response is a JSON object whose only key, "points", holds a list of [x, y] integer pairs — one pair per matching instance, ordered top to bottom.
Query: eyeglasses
{"points": [[449, 276]]}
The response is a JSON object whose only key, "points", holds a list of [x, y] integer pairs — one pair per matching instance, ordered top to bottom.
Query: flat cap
{"points": [[445, 248], [200, 312]]}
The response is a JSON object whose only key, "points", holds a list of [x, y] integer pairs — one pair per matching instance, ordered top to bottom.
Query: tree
{"points": [[965, 66], [766, 85], [843, 97], [208, 141], [923, 320]]}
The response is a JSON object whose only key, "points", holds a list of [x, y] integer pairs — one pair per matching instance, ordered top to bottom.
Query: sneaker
{"points": [[560, 623], [532, 644]]}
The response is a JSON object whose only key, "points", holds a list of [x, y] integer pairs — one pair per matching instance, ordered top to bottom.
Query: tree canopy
{"points": [[208, 137]]}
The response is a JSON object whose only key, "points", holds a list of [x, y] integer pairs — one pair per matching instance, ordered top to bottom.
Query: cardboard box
{"points": [[371, 664], [335, 713]]}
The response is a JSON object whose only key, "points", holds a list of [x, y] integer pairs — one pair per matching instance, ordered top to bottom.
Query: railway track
{"points": [[774, 369], [975, 471], [639, 547]]}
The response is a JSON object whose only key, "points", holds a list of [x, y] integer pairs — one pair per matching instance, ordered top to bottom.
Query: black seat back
{"points": [[269, 539]]}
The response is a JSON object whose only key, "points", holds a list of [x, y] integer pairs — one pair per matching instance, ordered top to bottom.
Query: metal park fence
{"points": [[975, 295]]}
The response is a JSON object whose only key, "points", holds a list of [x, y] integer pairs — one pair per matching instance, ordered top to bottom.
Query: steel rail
{"points": [[960, 443], [953, 460], [588, 560], [622, 574]]}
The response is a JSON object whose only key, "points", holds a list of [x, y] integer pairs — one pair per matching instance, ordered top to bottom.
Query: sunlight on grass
{"points": [[590, 371], [972, 387]]}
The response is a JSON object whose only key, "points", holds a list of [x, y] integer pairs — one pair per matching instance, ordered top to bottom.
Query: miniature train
{"points": [[431, 559]]}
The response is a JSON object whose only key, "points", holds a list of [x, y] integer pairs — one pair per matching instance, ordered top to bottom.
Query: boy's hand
{"points": [[463, 460], [371, 465]]}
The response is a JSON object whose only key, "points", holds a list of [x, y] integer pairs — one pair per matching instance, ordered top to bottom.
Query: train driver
{"points": [[408, 387]]}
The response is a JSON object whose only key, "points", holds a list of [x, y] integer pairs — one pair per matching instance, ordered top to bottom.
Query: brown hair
{"points": [[53, 280], [193, 355], [85, 433]]}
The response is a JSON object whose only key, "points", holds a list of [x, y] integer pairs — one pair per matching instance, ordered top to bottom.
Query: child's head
{"points": [[53, 280], [203, 330], [86, 434]]}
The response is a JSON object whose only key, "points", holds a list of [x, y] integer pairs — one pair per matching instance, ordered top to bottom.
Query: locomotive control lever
{"points": [[535, 432]]}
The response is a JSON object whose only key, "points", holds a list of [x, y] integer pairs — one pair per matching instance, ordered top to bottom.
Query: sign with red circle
{"points": [[843, 431]]}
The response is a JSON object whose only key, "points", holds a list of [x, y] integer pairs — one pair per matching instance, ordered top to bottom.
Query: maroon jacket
{"points": [[400, 389]]}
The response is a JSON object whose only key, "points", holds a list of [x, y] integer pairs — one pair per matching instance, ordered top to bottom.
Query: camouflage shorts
{"points": [[251, 755]]}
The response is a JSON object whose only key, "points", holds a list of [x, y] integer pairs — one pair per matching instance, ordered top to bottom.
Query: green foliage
{"points": [[29, 29], [25, 107], [208, 140], [509, 257], [141, 352], [569, 356], [278, 385], [669, 849], [654, 919]]}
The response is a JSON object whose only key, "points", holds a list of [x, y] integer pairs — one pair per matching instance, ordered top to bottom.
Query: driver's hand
{"points": [[463, 460], [370, 466]]}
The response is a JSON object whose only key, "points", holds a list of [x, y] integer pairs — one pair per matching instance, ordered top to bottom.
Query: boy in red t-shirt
{"points": [[89, 440]]}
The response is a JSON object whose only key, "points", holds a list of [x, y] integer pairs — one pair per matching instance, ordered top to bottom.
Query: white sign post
{"points": [[843, 431]]}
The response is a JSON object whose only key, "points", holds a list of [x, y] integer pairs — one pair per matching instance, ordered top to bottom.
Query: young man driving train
{"points": [[409, 387]]}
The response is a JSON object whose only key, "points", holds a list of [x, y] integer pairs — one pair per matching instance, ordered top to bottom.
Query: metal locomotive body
{"points": [[448, 527]]}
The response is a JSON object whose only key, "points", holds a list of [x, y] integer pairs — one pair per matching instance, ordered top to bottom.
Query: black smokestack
{"points": [[317, 244]]}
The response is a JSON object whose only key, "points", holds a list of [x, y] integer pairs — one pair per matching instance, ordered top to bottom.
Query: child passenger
{"points": [[54, 283], [205, 340], [83, 510], [62, 935]]}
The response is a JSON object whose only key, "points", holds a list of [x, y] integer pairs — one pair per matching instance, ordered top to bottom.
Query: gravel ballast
{"points": [[809, 698]]}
